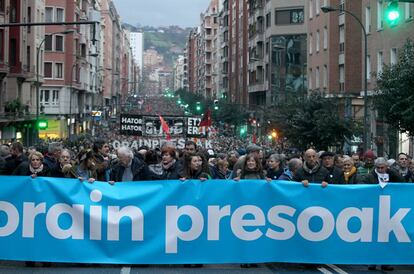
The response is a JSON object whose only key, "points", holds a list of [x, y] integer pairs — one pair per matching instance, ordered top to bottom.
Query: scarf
{"points": [[167, 166], [36, 170], [311, 170], [348, 175], [383, 177]]}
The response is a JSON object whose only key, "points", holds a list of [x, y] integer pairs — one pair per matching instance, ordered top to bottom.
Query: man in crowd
{"points": [[53, 154], [101, 154], [4, 156], [17, 157], [328, 161], [368, 165], [293, 166], [402, 166], [128, 168], [312, 171]]}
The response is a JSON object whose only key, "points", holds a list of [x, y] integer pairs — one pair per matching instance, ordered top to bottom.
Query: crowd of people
{"points": [[98, 161]]}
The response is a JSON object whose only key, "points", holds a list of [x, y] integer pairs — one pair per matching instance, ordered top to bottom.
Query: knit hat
{"points": [[369, 154]]}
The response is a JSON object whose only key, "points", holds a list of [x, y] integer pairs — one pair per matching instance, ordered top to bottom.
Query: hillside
{"points": [[168, 41]]}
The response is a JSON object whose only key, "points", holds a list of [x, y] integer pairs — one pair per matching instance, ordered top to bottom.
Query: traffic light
{"points": [[392, 13], [179, 101], [216, 104], [198, 106], [41, 124], [242, 131], [274, 134]]}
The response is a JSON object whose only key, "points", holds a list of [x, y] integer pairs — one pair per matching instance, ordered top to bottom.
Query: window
{"points": [[2, 6], [317, 7], [310, 9], [408, 11], [380, 12], [49, 14], [60, 15], [287, 17], [29, 18], [368, 19], [268, 20], [325, 38], [341, 39], [317, 40], [48, 42], [59, 43], [310, 43], [1, 45], [13, 52], [393, 56], [28, 57], [380, 62], [368, 67], [48, 70], [59, 70], [325, 76], [341, 78], [310, 79], [317, 86], [49, 97], [55, 97]]}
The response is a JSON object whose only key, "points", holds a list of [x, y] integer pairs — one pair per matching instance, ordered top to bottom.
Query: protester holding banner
{"points": [[101, 154], [274, 166], [293, 166], [34, 167], [65, 167], [170, 167], [195, 167], [86, 168], [128, 168], [252, 169], [312, 171], [350, 173], [382, 174]]}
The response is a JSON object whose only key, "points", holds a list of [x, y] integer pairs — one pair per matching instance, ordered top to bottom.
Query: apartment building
{"points": [[384, 43], [277, 50], [18, 70]]}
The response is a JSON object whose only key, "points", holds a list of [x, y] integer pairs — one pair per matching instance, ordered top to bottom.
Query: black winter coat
{"points": [[139, 170]]}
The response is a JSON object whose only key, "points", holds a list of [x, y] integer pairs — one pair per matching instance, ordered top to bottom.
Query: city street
{"points": [[18, 267]]}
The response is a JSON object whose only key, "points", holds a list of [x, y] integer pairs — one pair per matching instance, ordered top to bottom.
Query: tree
{"points": [[394, 95], [312, 121]]}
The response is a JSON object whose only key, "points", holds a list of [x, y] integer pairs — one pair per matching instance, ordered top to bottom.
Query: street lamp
{"points": [[327, 9], [37, 69]]}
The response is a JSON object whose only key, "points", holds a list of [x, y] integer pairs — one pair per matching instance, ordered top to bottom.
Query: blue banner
{"points": [[217, 221]]}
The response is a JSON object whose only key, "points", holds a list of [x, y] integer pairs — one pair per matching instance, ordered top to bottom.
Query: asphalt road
{"points": [[19, 267]]}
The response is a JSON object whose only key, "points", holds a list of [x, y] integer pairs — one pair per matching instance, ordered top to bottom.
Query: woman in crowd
{"points": [[274, 166], [34, 167], [170, 167], [195, 167], [64, 169], [86, 169], [221, 169], [251, 169], [350, 173]]}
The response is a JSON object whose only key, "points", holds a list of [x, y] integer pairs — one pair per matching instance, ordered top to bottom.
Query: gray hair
{"points": [[54, 147], [4, 151], [125, 151], [276, 157], [348, 159], [381, 161], [294, 164]]}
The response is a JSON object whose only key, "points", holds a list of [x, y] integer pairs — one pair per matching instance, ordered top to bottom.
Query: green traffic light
{"points": [[392, 13], [179, 102], [216, 107]]}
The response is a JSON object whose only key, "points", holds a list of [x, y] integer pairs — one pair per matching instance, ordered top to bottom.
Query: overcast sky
{"points": [[184, 13]]}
